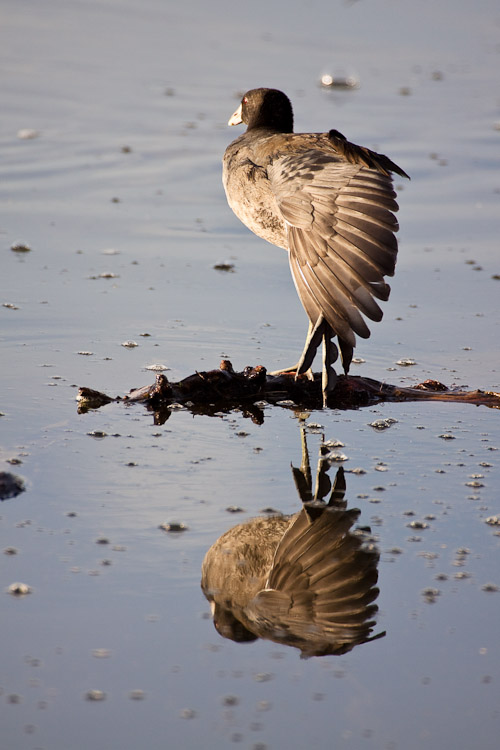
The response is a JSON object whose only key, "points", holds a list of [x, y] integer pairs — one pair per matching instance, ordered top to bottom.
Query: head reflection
{"points": [[306, 580]]}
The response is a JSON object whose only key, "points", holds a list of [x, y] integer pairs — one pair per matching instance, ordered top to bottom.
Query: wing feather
{"points": [[341, 236]]}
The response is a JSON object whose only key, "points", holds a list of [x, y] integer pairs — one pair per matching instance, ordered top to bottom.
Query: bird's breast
{"points": [[250, 196]]}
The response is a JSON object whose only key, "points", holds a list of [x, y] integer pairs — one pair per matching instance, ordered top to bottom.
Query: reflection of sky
{"points": [[91, 78]]}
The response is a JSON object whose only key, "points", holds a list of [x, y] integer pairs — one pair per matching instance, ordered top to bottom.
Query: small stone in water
{"points": [[11, 485]]}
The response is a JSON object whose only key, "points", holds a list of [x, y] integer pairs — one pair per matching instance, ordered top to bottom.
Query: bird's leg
{"points": [[321, 331], [313, 340], [330, 355], [302, 477], [338, 490]]}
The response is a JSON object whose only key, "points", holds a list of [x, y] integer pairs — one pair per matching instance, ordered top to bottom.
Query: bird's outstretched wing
{"points": [[339, 212], [320, 591]]}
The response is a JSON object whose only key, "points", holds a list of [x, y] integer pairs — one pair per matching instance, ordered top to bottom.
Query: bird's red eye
{"points": [[245, 100]]}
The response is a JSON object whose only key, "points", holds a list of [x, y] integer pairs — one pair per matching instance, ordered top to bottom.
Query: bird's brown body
{"points": [[330, 204], [304, 580]]}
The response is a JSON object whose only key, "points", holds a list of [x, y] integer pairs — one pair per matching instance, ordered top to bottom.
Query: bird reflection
{"points": [[306, 580]]}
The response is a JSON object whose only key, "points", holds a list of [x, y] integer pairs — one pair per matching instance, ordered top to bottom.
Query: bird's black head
{"points": [[265, 108], [230, 627]]}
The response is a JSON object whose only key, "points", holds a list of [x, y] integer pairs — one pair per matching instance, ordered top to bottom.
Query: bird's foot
{"points": [[294, 370]]}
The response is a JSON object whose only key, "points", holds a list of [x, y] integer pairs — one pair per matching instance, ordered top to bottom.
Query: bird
{"points": [[330, 204], [305, 580]]}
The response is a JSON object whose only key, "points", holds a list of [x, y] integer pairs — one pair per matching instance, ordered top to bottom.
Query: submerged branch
{"points": [[224, 389]]}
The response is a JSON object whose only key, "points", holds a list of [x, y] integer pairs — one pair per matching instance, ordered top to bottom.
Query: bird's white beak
{"points": [[235, 118]]}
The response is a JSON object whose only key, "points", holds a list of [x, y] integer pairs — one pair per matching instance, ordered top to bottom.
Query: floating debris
{"points": [[329, 81], [27, 134], [20, 247], [224, 266], [105, 275], [10, 306], [130, 344], [85, 354], [406, 362], [157, 367], [90, 399], [177, 407], [383, 424], [314, 427], [98, 434], [446, 436], [333, 444], [337, 457], [235, 509], [493, 521], [418, 525], [173, 527], [490, 588], [19, 589], [430, 595], [101, 653], [263, 677], [95, 695], [137, 695], [230, 700], [187, 713]]}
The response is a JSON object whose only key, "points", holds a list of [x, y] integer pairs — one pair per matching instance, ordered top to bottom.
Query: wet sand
{"points": [[117, 193]]}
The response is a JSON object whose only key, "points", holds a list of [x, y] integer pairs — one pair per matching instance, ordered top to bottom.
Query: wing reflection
{"points": [[307, 580]]}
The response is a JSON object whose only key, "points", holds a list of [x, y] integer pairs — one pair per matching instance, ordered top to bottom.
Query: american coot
{"points": [[331, 205], [304, 580]]}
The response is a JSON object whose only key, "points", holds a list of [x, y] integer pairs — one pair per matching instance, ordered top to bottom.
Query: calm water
{"points": [[129, 101]]}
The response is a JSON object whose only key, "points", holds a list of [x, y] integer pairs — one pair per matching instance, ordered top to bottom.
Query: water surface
{"points": [[129, 102]]}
